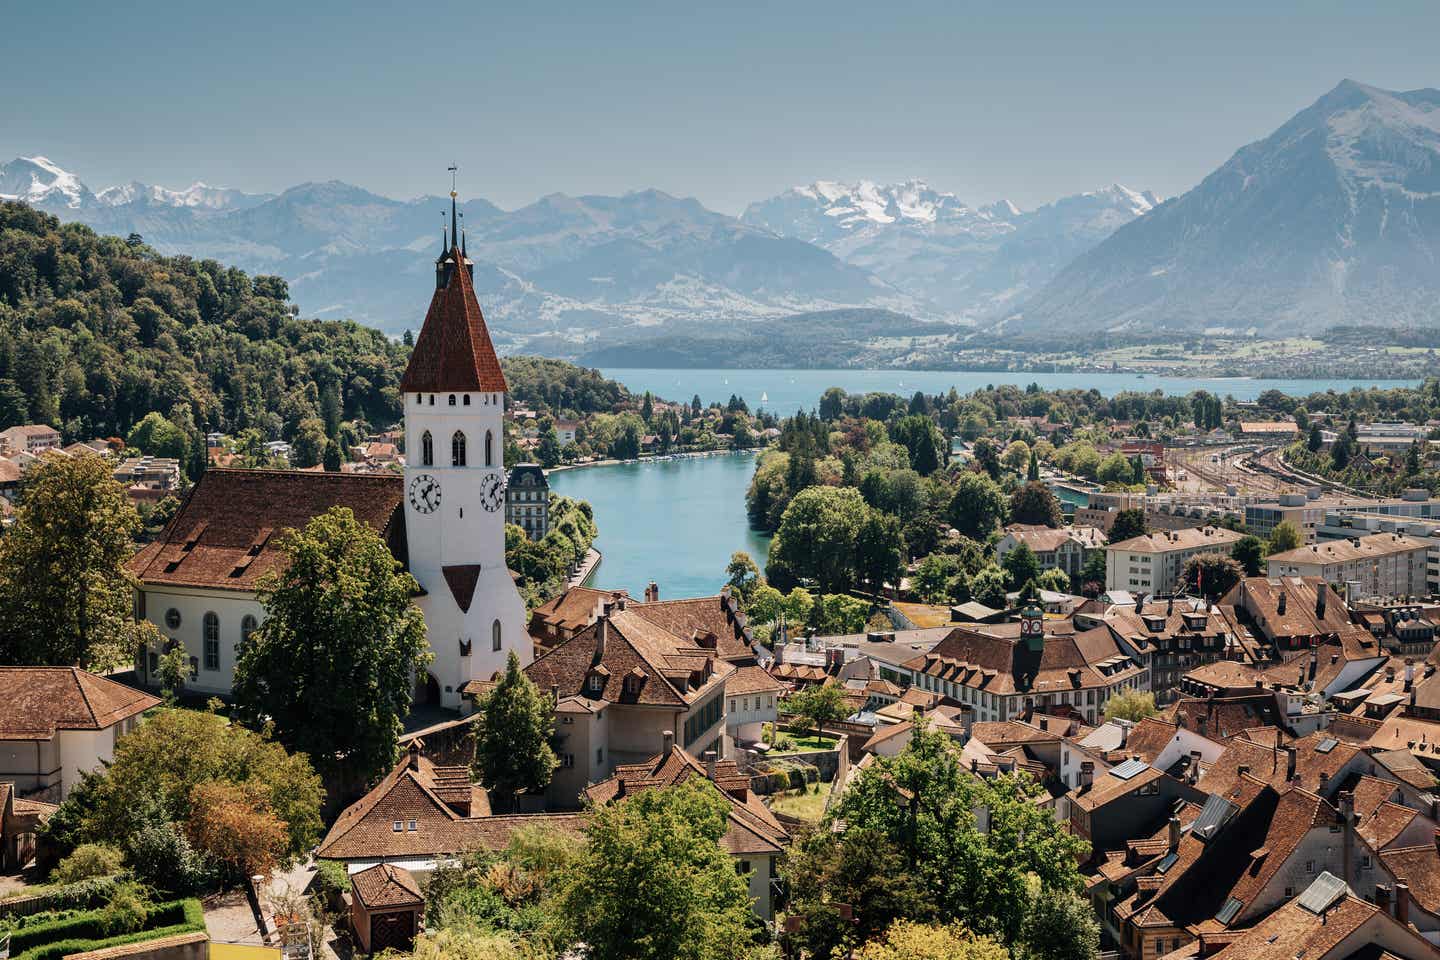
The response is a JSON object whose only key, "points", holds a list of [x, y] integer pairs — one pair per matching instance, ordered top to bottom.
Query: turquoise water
{"points": [[785, 391], [675, 521]]}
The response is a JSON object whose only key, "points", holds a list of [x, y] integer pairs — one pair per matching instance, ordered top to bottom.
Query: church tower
{"points": [[454, 395]]}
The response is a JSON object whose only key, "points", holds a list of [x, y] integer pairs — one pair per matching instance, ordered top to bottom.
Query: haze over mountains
{"points": [[1334, 218]]}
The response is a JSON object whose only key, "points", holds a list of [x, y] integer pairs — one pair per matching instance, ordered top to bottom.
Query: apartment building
{"points": [[1153, 563], [1382, 564]]}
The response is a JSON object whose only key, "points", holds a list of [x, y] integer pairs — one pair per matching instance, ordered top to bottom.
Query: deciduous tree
{"points": [[1033, 503], [977, 506], [333, 665], [512, 737]]}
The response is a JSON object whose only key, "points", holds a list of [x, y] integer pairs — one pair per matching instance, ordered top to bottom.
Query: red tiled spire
{"points": [[453, 352]]}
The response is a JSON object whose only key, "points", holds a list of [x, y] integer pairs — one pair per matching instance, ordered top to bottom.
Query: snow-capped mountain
{"points": [[38, 181], [198, 195], [1332, 219], [971, 261], [563, 265]]}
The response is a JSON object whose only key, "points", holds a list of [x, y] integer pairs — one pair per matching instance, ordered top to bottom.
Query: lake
{"points": [[785, 391], [674, 521]]}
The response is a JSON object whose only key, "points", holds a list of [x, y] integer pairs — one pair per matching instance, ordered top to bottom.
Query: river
{"points": [[785, 391], [673, 521]]}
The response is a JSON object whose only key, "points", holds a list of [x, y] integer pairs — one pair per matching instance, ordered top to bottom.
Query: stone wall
{"points": [[184, 946]]}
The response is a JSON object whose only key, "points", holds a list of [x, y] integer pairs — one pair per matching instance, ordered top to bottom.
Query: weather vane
{"points": [[454, 169]]}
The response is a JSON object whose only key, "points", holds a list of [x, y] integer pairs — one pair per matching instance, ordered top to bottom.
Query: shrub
{"points": [[162, 857], [89, 860], [332, 880], [127, 908], [86, 931]]}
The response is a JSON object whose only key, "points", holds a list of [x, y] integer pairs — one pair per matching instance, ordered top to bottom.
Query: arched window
{"points": [[432, 399], [452, 399], [467, 399], [427, 449], [457, 449], [489, 449], [247, 627], [495, 635], [212, 642]]}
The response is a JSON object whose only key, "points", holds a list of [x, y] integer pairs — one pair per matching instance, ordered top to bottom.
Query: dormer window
{"points": [[596, 683]]}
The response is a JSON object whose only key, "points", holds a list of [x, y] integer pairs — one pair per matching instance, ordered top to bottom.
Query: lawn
{"points": [[804, 743], [802, 805]]}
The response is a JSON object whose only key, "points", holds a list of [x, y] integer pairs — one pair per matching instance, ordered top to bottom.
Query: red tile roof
{"points": [[453, 351], [225, 534], [35, 702], [386, 885]]}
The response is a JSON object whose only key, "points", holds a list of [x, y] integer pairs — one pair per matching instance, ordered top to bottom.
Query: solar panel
{"points": [[1326, 745], [1129, 768], [1213, 816], [1167, 862], [1320, 895], [1228, 912]]}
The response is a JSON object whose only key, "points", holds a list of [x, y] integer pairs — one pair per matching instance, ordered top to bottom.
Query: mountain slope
{"points": [[1332, 219], [971, 261]]}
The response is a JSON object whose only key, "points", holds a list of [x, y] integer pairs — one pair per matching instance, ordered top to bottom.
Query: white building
{"points": [[445, 519], [1056, 548], [1154, 562], [1381, 565], [59, 722]]}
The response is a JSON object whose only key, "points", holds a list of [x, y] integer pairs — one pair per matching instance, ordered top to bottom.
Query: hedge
{"points": [[82, 893], [83, 933]]}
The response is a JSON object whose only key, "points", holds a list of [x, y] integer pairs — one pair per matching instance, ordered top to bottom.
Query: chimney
{"points": [[1320, 591], [652, 592], [619, 600], [1280, 605], [602, 633], [1313, 658], [1389, 673], [1409, 673], [554, 693], [967, 723], [1044, 723], [667, 742], [415, 746], [1289, 763], [710, 764], [1243, 769], [1193, 773], [1087, 774], [1324, 781], [1347, 825], [1174, 836], [1382, 897], [1402, 901]]}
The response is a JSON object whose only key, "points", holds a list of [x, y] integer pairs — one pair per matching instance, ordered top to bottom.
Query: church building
{"points": [[444, 519]]}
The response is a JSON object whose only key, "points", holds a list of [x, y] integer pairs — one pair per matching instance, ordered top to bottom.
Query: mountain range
{"points": [[1333, 219], [570, 270]]}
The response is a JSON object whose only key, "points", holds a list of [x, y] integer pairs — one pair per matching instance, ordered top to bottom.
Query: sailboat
{"points": [[764, 397]]}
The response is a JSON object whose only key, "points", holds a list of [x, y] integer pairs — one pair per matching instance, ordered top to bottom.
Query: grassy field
{"points": [[804, 743], [802, 805]]}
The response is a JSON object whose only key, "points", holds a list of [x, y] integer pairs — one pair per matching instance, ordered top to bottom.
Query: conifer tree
{"points": [[512, 738]]}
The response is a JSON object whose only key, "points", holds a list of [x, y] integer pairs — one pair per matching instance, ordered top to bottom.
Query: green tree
{"points": [[832, 404], [919, 435], [158, 437], [1316, 440], [308, 447], [548, 450], [1016, 456], [1116, 468], [1032, 472], [1034, 503], [977, 507], [1128, 525], [1285, 536], [816, 539], [879, 550], [1249, 552], [1020, 565], [1093, 572], [1211, 574], [743, 576], [932, 577], [1054, 579], [988, 587], [65, 595], [765, 604], [837, 613], [334, 663], [818, 705], [1130, 705], [513, 726], [158, 768], [924, 802], [666, 844], [861, 868], [1060, 926], [907, 940]]}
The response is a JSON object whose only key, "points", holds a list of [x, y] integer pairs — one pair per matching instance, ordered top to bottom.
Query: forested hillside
{"points": [[96, 332]]}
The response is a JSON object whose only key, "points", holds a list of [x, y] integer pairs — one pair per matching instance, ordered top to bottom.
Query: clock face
{"points": [[492, 492], [425, 493]]}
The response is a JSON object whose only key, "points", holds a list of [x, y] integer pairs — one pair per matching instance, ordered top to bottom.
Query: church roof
{"points": [[453, 351], [225, 535], [35, 702]]}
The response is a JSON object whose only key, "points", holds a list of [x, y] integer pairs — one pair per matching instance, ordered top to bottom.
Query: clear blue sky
{"points": [[724, 101]]}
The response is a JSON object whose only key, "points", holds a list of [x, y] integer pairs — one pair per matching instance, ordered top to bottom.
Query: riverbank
{"points": [[654, 458], [586, 568]]}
